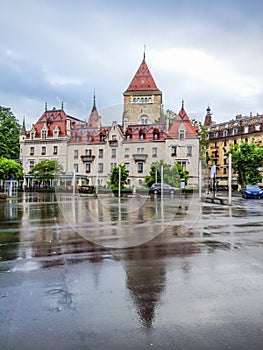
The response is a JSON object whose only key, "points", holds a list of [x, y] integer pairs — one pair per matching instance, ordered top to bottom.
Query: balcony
{"points": [[140, 157], [87, 159]]}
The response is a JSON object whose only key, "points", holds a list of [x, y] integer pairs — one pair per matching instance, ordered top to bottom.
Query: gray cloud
{"points": [[53, 51]]}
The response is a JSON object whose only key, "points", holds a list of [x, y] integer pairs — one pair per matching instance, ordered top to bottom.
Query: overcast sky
{"points": [[204, 52]]}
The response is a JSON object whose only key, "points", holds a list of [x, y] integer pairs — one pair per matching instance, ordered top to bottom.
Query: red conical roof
{"points": [[143, 80]]}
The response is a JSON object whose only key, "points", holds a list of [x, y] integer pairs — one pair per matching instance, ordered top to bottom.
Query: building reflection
{"points": [[10, 223], [145, 268], [145, 283]]}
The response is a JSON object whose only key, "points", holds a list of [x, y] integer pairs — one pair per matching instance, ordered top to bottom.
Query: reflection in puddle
{"points": [[26, 266]]}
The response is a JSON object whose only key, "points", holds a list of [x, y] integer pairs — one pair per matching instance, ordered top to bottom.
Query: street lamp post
{"points": [[230, 179]]}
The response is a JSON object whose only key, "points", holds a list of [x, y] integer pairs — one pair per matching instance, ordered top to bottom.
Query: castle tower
{"points": [[142, 99]]}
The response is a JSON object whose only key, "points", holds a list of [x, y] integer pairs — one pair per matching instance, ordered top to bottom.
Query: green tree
{"points": [[9, 134], [203, 141], [246, 158], [9, 169], [46, 171], [183, 174], [154, 175], [172, 175], [114, 177]]}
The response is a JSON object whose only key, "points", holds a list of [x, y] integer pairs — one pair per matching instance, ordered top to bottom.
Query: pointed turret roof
{"points": [[143, 79], [182, 118], [94, 119], [23, 129]]}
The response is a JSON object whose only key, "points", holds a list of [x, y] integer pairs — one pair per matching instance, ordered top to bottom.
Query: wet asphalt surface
{"points": [[125, 274]]}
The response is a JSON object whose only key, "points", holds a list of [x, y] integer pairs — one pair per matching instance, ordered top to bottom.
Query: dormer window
{"points": [[235, 131], [56, 132], [44, 134], [128, 134], [142, 134], [156, 134], [181, 134], [32, 135], [102, 136]]}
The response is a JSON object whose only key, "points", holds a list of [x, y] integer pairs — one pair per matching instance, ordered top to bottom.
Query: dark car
{"points": [[167, 189], [252, 191]]}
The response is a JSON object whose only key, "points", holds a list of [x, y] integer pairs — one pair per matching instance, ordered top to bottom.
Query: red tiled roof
{"points": [[143, 80], [182, 117], [53, 118], [135, 131]]}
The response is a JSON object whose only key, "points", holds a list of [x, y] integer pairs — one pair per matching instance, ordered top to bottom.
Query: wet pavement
{"points": [[106, 273]]}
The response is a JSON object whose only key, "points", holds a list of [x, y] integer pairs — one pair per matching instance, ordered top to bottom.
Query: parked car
{"points": [[222, 188], [167, 189], [252, 191]]}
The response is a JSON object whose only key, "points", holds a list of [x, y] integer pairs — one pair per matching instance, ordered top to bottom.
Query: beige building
{"points": [[223, 135], [90, 150]]}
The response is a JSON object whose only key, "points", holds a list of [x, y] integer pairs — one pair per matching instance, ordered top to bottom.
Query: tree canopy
{"points": [[9, 134], [203, 141], [246, 159], [9, 169], [46, 170], [172, 175], [114, 177]]}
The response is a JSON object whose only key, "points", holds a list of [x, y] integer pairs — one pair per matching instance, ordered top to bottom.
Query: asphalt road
{"points": [[130, 274]]}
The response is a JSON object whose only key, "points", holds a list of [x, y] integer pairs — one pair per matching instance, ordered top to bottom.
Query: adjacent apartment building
{"points": [[223, 135], [89, 150]]}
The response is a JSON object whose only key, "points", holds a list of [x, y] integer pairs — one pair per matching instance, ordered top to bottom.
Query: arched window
{"points": [[144, 120], [216, 134]]}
